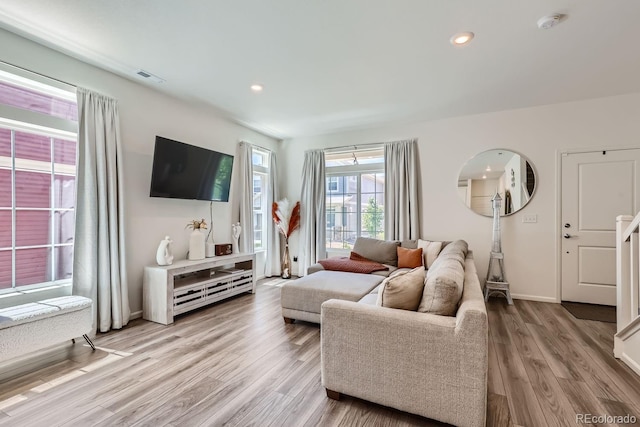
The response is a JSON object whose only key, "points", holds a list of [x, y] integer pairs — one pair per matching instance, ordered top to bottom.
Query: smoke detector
{"points": [[548, 22]]}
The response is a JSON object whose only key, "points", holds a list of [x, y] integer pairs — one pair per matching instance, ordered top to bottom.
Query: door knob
{"points": [[567, 225], [567, 236]]}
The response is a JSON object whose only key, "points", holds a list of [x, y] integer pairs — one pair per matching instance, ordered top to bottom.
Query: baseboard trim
{"points": [[534, 298], [135, 315], [632, 328], [631, 363]]}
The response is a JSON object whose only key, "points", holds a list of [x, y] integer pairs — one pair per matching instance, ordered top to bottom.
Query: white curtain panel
{"points": [[245, 169], [401, 205], [312, 215], [272, 263], [99, 264]]}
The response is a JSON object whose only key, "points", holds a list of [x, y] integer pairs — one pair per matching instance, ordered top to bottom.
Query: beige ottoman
{"points": [[302, 298]]}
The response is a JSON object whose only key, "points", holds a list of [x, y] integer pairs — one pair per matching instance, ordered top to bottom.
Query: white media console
{"points": [[186, 285]]}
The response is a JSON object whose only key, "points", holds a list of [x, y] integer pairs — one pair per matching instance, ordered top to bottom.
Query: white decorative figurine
{"points": [[236, 229], [164, 255]]}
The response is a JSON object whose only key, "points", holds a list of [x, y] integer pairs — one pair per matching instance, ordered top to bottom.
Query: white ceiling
{"points": [[334, 65]]}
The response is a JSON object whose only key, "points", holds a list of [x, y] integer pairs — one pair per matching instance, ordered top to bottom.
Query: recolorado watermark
{"points": [[605, 419]]}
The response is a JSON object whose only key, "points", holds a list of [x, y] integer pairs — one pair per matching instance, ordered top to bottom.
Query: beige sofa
{"points": [[422, 363], [425, 364]]}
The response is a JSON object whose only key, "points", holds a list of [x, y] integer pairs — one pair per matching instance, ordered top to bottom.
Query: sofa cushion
{"points": [[409, 244], [457, 249], [431, 250], [381, 251], [409, 258], [386, 273], [444, 281], [403, 290], [309, 292], [369, 299]]}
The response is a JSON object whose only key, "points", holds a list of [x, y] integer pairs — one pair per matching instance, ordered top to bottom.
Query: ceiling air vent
{"points": [[149, 76]]}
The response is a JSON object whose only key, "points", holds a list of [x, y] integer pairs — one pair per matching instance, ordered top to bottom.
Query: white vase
{"points": [[196, 245]]}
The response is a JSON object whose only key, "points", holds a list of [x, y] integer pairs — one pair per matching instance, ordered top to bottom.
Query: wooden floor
{"points": [[237, 363]]}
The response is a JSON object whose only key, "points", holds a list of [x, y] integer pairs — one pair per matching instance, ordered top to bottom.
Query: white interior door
{"points": [[596, 187]]}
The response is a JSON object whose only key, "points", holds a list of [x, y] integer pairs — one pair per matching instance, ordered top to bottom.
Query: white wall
{"points": [[145, 113], [444, 147]]}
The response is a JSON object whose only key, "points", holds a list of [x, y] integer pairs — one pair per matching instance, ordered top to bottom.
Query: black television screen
{"points": [[184, 171]]}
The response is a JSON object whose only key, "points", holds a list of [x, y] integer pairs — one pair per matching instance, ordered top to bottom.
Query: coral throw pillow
{"points": [[409, 258]]}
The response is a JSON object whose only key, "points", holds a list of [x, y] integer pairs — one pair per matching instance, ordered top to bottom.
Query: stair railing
{"points": [[627, 269], [626, 342]]}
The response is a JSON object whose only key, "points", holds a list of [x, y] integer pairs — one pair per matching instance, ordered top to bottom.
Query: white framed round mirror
{"points": [[506, 172]]}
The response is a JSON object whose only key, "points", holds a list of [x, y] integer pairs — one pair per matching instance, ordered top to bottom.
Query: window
{"points": [[37, 181], [332, 183], [355, 197], [261, 211], [331, 217]]}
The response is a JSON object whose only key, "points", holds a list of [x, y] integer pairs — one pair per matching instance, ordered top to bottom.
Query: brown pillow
{"points": [[409, 258], [402, 291]]}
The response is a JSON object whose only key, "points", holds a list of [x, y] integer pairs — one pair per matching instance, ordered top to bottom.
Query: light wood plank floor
{"points": [[237, 363]]}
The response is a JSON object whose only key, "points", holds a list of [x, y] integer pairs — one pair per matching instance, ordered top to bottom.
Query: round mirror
{"points": [[497, 171]]}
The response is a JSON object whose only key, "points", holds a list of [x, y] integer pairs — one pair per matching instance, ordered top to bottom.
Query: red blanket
{"points": [[354, 264]]}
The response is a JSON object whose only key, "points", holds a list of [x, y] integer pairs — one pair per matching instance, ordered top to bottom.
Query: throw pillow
{"points": [[430, 250], [455, 250], [381, 251], [409, 258], [443, 287], [402, 291]]}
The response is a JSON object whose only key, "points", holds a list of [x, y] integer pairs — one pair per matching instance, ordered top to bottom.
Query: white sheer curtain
{"points": [[245, 174], [401, 205], [312, 215], [272, 263], [99, 265]]}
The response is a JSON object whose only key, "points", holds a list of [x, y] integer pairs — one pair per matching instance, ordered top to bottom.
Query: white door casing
{"points": [[595, 188]]}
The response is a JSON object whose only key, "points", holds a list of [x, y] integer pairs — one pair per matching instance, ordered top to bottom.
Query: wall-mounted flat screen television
{"points": [[183, 171]]}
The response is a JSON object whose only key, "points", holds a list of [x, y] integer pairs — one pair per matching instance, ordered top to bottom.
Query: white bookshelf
{"points": [[186, 285]]}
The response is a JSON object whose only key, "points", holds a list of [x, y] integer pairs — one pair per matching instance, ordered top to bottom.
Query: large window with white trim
{"points": [[38, 122], [354, 196], [261, 212]]}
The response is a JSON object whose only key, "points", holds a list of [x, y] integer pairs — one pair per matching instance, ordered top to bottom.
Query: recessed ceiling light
{"points": [[461, 39], [257, 87], [488, 169], [484, 176]]}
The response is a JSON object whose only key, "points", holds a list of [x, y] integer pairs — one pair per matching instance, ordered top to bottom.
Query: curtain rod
{"points": [[39, 74], [256, 146], [357, 146], [354, 147]]}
